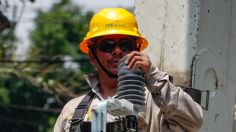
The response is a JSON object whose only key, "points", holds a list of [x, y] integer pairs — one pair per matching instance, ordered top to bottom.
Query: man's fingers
{"points": [[131, 55], [138, 60], [132, 63]]}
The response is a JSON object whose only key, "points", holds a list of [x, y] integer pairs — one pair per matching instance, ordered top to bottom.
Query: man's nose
{"points": [[117, 51]]}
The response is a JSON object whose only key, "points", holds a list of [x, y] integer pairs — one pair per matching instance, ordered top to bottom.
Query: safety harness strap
{"points": [[80, 111]]}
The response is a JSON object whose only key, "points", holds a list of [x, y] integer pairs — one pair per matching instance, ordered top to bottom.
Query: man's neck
{"points": [[108, 86]]}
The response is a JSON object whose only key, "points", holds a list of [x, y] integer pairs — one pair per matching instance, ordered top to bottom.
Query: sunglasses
{"points": [[108, 45]]}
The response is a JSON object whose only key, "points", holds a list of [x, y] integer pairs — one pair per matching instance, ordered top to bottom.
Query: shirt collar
{"points": [[94, 83]]}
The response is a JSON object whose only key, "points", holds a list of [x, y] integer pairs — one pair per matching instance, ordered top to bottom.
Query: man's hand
{"points": [[137, 59]]}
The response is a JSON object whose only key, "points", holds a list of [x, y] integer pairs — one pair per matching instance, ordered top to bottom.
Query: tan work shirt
{"points": [[168, 108]]}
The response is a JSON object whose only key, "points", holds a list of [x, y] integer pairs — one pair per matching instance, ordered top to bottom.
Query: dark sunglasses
{"points": [[108, 45]]}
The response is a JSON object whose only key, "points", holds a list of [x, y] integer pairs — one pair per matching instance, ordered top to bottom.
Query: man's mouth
{"points": [[115, 63]]}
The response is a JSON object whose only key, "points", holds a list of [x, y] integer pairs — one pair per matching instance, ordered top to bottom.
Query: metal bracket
{"points": [[199, 96], [99, 120]]}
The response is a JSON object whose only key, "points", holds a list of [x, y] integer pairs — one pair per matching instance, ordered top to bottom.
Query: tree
{"points": [[56, 39], [32, 93]]}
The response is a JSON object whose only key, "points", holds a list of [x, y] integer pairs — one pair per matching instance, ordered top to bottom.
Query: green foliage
{"points": [[59, 31], [57, 35], [7, 43], [33, 93], [17, 111]]}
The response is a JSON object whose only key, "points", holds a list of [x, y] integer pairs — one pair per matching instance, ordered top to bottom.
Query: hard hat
{"points": [[110, 21]]}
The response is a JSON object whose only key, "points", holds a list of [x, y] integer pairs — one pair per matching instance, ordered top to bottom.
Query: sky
{"points": [[25, 24]]}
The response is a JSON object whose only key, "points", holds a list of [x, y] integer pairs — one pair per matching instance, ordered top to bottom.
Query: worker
{"points": [[113, 34]]}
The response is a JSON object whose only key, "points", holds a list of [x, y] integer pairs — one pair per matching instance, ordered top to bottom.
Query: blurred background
{"points": [[41, 66]]}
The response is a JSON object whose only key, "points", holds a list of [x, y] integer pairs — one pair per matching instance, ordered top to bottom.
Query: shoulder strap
{"points": [[80, 111]]}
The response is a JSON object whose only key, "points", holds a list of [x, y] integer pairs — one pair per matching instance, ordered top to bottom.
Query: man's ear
{"points": [[92, 59]]}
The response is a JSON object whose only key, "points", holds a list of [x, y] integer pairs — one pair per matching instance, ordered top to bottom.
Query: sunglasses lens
{"points": [[107, 45], [126, 45]]}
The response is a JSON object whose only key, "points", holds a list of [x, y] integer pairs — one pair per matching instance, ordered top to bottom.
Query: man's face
{"points": [[110, 49]]}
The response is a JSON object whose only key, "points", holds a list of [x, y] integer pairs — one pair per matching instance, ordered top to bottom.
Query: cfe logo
{"points": [[112, 25]]}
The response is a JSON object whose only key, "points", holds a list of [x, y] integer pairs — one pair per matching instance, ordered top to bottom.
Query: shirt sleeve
{"points": [[179, 112], [62, 120], [62, 124]]}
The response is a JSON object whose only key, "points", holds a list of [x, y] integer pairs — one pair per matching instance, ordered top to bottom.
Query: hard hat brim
{"points": [[84, 44]]}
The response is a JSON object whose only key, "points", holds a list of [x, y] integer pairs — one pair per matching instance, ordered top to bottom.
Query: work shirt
{"points": [[168, 108]]}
